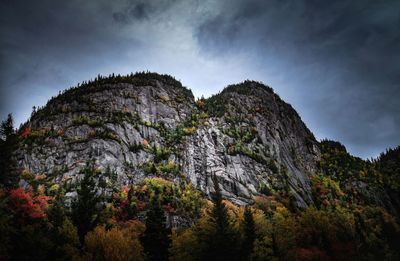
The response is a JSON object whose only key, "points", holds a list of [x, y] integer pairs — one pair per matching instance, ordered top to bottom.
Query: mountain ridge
{"points": [[106, 108], [148, 125], [126, 165]]}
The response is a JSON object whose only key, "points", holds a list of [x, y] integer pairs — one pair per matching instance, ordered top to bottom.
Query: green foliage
{"points": [[79, 93], [217, 105], [81, 120], [104, 134], [243, 134], [38, 136], [8, 144], [136, 147], [239, 148], [160, 153], [339, 164], [388, 164], [272, 166], [162, 168], [264, 189], [327, 192], [184, 198], [177, 199], [87, 205], [266, 231], [332, 232], [379, 233], [249, 234], [67, 239], [156, 239], [219, 239]]}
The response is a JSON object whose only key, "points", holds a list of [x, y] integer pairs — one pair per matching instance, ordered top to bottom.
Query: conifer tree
{"points": [[8, 144], [86, 206], [249, 234], [156, 240], [222, 243]]}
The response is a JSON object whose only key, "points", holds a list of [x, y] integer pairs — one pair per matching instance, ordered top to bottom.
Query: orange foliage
{"points": [[26, 132], [61, 132], [145, 142], [115, 244]]}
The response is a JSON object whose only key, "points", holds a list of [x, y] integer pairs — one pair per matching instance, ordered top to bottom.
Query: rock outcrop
{"points": [[150, 125]]}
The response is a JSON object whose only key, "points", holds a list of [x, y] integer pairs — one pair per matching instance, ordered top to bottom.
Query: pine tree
{"points": [[8, 144], [86, 206], [249, 234], [156, 240], [222, 243]]}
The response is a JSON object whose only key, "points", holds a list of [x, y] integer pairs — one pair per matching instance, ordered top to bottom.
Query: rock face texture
{"points": [[150, 125]]}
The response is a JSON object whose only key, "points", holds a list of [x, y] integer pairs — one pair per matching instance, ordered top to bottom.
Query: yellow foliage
{"points": [[189, 131], [27, 176], [114, 244], [183, 245]]}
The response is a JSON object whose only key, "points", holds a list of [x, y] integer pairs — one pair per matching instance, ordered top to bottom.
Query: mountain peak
{"points": [[248, 87]]}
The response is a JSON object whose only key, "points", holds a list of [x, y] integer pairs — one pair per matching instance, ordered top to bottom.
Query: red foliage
{"points": [[26, 132], [61, 132], [322, 191], [23, 203], [140, 206], [169, 209], [345, 250], [309, 254]]}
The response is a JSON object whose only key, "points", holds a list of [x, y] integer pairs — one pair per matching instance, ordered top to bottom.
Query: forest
{"points": [[158, 219]]}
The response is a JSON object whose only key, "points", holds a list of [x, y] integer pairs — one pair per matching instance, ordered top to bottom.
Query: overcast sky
{"points": [[336, 62]]}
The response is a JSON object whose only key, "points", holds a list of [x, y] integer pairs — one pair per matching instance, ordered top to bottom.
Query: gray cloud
{"points": [[344, 57], [336, 62]]}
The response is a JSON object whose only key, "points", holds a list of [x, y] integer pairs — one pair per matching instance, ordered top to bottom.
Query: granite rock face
{"points": [[150, 125]]}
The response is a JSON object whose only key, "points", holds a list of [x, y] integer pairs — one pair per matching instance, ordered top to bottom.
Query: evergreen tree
{"points": [[8, 144], [86, 206], [129, 208], [249, 234], [156, 240], [221, 244]]}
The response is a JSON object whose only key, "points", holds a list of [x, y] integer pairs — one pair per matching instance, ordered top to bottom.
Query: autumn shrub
{"points": [[26, 205], [114, 244]]}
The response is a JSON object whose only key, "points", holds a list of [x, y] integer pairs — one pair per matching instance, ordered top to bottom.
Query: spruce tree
{"points": [[8, 144], [86, 206], [249, 234], [156, 240], [222, 243]]}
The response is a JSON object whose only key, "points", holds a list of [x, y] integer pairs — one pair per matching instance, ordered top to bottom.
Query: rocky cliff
{"points": [[147, 124]]}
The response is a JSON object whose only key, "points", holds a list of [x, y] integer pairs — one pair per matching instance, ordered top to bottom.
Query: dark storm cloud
{"points": [[139, 10], [47, 46], [351, 51], [337, 62]]}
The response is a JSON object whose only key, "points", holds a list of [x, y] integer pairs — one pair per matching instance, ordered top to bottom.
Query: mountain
{"points": [[147, 125], [135, 168]]}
